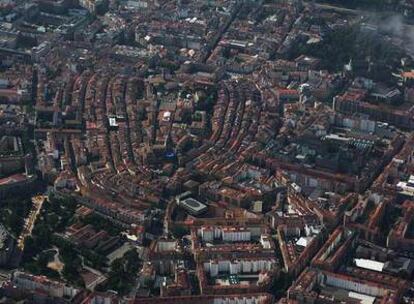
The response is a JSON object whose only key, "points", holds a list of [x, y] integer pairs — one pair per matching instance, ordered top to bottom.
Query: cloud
{"points": [[395, 27]]}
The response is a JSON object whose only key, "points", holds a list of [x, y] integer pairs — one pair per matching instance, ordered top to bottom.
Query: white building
{"points": [[227, 234], [214, 267], [356, 286], [53, 288]]}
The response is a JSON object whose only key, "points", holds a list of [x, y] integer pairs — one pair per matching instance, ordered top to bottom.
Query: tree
{"points": [[179, 231], [122, 272]]}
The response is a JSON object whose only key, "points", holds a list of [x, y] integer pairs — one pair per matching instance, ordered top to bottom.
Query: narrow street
{"points": [[30, 220]]}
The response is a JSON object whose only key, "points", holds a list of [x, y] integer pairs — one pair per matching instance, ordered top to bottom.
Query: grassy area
{"points": [[55, 216], [39, 265]]}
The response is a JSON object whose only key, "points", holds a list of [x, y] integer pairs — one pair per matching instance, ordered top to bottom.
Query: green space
{"points": [[341, 46], [13, 212], [56, 215], [179, 231], [122, 272], [234, 279]]}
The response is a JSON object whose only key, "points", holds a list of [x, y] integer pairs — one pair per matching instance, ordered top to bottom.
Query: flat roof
{"points": [[369, 264], [363, 298]]}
